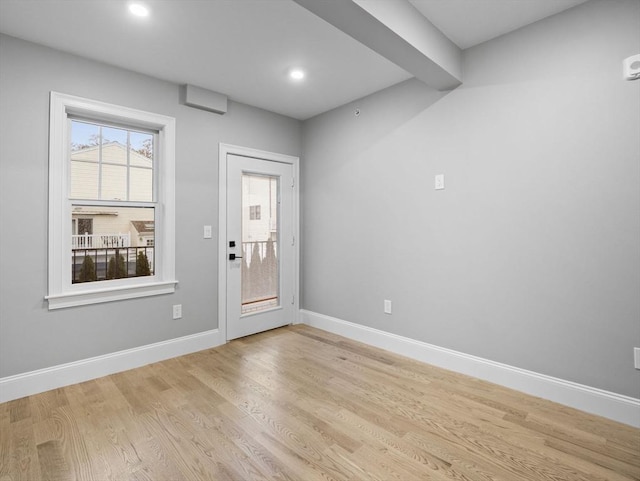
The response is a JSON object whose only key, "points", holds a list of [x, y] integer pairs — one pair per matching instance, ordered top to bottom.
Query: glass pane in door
{"points": [[260, 268]]}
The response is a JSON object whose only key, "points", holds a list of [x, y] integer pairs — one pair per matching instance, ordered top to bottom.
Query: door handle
{"points": [[233, 257]]}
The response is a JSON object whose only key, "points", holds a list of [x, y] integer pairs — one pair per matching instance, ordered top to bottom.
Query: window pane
{"points": [[83, 136], [114, 145], [141, 149], [85, 155], [141, 170], [84, 180], [114, 182], [140, 184], [112, 242], [260, 268]]}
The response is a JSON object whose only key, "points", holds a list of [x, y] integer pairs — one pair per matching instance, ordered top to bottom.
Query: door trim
{"points": [[223, 151]]}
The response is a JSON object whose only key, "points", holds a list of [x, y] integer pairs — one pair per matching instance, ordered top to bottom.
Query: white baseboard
{"points": [[34, 382], [614, 406], [617, 407]]}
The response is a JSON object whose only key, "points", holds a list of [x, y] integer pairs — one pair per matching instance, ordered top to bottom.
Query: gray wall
{"points": [[531, 255], [31, 337]]}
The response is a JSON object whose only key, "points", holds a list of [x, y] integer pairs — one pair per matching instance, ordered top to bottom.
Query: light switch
{"points": [[439, 182], [207, 232], [387, 306]]}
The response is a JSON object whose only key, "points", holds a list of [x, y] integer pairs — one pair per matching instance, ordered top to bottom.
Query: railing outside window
{"points": [[100, 241], [99, 264], [259, 273]]}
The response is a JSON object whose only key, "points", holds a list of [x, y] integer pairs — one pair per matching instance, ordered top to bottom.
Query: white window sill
{"points": [[95, 296]]}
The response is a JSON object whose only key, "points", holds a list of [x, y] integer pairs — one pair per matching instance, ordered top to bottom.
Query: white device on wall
{"points": [[632, 67]]}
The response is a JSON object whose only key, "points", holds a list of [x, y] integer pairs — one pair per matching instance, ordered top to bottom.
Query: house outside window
{"points": [[111, 202]]}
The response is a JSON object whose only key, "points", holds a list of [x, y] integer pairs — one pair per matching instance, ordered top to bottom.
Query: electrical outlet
{"points": [[439, 182], [207, 232], [387, 306], [177, 311], [636, 357]]}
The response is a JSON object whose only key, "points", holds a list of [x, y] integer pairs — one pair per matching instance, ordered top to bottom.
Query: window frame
{"points": [[62, 292]]}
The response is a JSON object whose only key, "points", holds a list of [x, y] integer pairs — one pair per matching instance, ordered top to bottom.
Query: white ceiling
{"points": [[470, 22], [244, 48]]}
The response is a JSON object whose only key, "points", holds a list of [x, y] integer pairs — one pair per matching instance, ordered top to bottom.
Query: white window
{"points": [[111, 202], [254, 212]]}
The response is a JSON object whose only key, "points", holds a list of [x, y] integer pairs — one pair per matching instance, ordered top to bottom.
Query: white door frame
{"points": [[224, 150]]}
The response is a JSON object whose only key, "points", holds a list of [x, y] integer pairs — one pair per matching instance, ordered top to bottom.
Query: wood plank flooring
{"points": [[300, 404]]}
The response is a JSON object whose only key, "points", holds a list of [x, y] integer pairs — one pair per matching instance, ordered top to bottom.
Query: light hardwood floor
{"points": [[301, 404]]}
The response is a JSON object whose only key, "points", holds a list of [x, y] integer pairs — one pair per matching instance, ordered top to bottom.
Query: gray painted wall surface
{"points": [[531, 255], [31, 337]]}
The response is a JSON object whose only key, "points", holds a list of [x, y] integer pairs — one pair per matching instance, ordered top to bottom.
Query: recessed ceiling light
{"points": [[139, 10], [296, 74]]}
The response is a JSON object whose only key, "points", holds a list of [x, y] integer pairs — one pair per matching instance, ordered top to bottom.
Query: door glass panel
{"points": [[260, 267]]}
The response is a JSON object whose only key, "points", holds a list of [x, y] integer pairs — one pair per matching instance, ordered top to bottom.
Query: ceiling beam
{"points": [[399, 32]]}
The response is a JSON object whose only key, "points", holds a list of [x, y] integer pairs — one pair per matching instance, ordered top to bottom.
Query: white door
{"points": [[260, 253]]}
